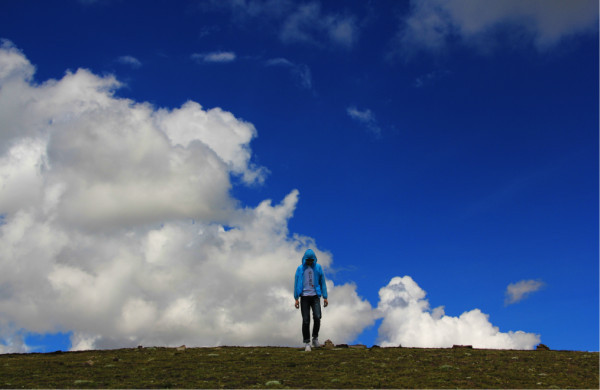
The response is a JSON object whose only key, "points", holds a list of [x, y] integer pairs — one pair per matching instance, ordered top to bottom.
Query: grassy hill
{"points": [[274, 367]]}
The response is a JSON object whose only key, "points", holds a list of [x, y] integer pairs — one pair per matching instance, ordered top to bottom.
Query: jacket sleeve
{"points": [[323, 284], [296, 285]]}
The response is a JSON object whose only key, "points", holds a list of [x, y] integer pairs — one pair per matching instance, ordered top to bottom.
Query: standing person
{"points": [[309, 286]]}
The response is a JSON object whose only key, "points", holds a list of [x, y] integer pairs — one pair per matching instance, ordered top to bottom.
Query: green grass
{"points": [[272, 367]]}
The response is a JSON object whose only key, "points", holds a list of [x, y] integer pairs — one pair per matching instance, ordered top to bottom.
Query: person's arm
{"points": [[323, 288], [296, 304]]}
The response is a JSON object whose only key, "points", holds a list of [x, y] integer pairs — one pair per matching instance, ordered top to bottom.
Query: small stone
{"points": [[328, 344], [542, 347], [182, 348]]}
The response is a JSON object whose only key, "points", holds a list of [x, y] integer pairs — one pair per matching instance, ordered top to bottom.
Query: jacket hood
{"points": [[309, 254]]}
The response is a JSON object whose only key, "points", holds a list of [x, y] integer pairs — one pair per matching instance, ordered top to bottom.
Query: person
{"points": [[309, 286]]}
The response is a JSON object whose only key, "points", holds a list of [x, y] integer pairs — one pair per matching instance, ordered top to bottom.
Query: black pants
{"points": [[307, 303]]}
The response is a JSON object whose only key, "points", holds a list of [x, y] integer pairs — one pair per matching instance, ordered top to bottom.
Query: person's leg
{"points": [[305, 309], [316, 309]]}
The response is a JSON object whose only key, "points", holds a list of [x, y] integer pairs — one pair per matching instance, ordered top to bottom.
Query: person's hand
{"points": [[325, 303], [297, 304]]}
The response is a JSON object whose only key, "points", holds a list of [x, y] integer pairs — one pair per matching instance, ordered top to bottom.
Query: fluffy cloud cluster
{"points": [[432, 23], [118, 224], [409, 321]]}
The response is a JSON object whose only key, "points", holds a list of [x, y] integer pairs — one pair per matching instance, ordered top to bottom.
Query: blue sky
{"points": [[450, 144]]}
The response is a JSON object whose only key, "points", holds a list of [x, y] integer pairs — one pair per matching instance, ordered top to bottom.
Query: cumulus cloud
{"points": [[431, 24], [219, 57], [14, 65], [365, 117], [119, 225], [516, 292], [409, 321], [11, 340]]}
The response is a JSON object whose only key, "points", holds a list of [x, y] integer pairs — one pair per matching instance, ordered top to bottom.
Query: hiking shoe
{"points": [[315, 343], [307, 347]]}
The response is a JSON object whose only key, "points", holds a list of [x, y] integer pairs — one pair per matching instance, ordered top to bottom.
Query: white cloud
{"points": [[243, 9], [297, 22], [308, 23], [432, 23], [342, 30], [219, 57], [130, 60], [14, 65], [300, 72], [430, 78], [365, 117], [224, 134], [113, 224], [118, 226], [516, 292], [409, 321], [11, 340]]}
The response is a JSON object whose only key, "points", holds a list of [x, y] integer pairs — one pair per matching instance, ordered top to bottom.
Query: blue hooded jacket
{"points": [[320, 286]]}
